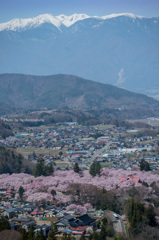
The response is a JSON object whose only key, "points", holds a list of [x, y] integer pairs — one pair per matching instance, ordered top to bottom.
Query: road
{"points": [[99, 152], [118, 224]]}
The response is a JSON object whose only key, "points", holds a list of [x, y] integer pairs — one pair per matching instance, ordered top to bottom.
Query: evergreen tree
{"points": [[144, 166], [147, 166], [76, 168], [98, 168], [39, 169], [92, 169], [95, 169], [42, 170], [48, 170], [145, 184], [21, 191], [53, 192], [130, 206], [136, 214], [150, 216], [104, 221], [4, 223], [97, 225], [55, 227], [103, 232], [109, 232], [31, 234], [24, 235], [40, 235], [51, 235], [97, 236]]}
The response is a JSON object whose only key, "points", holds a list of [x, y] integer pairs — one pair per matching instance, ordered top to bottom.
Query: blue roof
{"points": [[67, 231]]}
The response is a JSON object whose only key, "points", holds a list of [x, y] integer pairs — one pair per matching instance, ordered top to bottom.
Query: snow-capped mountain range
{"points": [[23, 24], [120, 49]]}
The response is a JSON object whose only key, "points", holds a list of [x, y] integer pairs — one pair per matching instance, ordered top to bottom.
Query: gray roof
{"points": [[19, 209], [9, 210], [68, 217], [24, 220]]}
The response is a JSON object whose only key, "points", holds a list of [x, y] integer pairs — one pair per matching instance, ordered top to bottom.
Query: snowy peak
{"points": [[131, 15], [70, 20], [57, 21], [19, 24], [23, 24]]}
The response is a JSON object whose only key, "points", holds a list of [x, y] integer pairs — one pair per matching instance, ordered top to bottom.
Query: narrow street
{"points": [[99, 152], [117, 221]]}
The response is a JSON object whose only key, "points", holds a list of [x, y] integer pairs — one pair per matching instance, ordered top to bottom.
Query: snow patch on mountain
{"points": [[131, 15], [70, 20], [57, 21], [18, 24], [23, 24]]}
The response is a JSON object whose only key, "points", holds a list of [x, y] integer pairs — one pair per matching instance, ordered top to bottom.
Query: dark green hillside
{"points": [[61, 91], [5, 130], [12, 162]]}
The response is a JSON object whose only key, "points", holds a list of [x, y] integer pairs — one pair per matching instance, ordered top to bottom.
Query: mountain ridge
{"points": [[20, 23], [121, 50], [66, 91]]}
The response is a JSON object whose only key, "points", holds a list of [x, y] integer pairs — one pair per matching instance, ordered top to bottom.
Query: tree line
{"points": [[138, 215]]}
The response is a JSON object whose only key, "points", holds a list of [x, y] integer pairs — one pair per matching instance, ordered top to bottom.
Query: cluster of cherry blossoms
{"points": [[39, 189], [78, 208]]}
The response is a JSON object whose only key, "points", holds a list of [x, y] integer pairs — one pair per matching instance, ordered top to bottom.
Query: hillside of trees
{"points": [[65, 91], [5, 130], [13, 162]]}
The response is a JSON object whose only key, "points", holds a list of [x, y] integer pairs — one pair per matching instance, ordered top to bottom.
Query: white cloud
{"points": [[121, 78], [156, 97]]}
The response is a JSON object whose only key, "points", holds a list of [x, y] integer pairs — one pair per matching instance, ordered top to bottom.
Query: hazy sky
{"points": [[10, 9]]}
